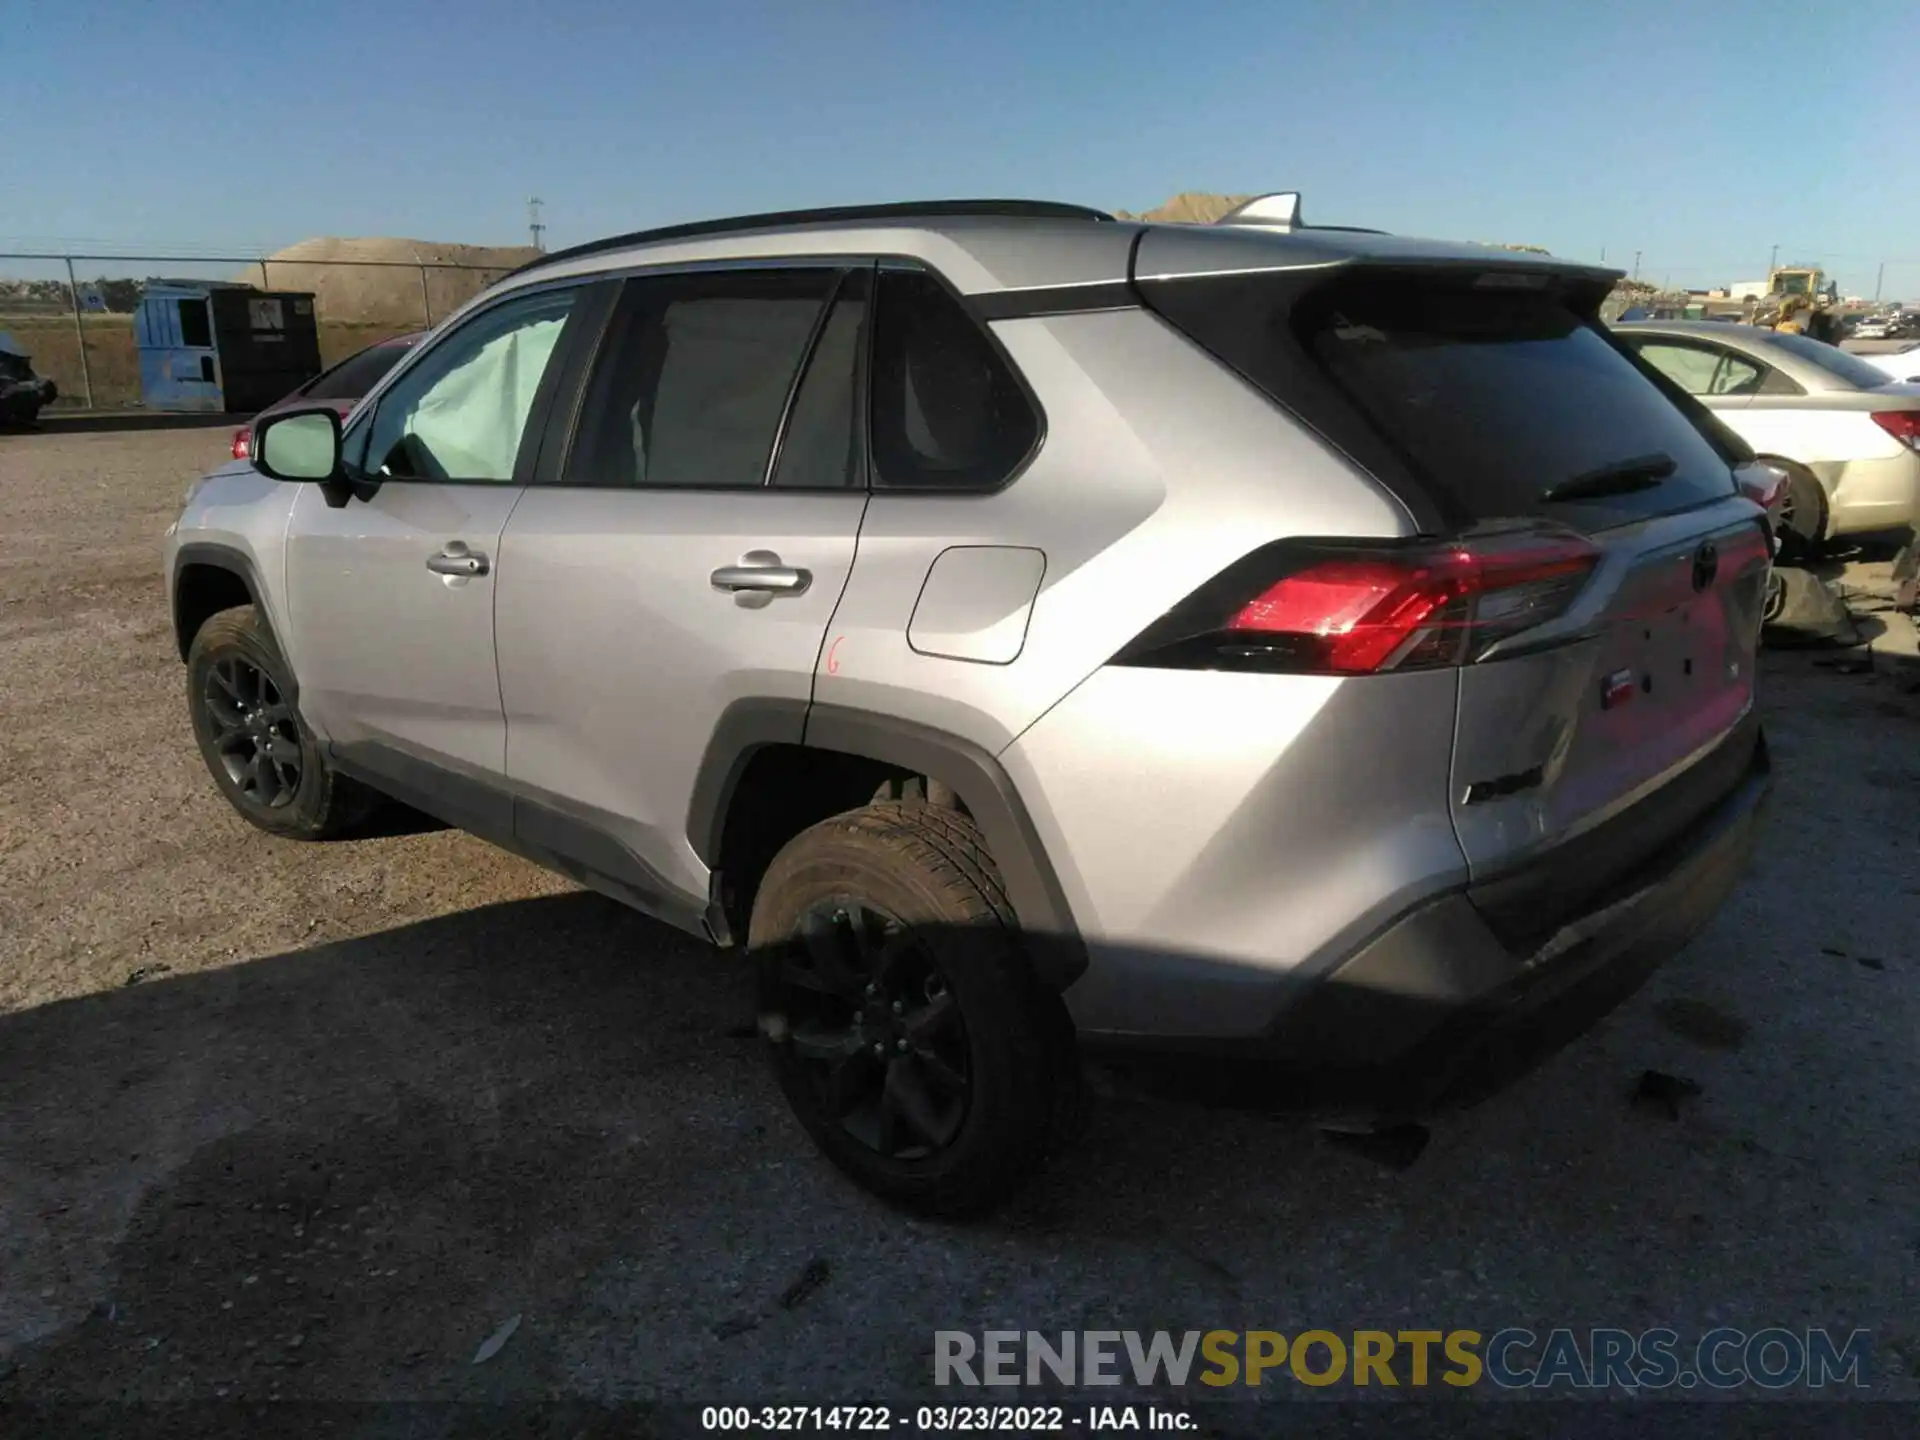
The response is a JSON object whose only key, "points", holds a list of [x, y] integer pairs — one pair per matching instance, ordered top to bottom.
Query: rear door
{"points": [[682, 550]]}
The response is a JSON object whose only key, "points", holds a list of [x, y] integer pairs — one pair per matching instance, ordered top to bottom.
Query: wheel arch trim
{"points": [[197, 553], [981, 782]]}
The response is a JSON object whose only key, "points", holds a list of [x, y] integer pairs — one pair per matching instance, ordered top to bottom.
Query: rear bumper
{"points": [[1871, 496], [1437, 1010]]}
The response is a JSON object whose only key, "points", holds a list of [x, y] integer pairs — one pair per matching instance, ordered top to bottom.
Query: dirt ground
{"points": [[316, 1121]]}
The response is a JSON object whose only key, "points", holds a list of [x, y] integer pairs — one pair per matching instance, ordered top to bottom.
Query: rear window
{"points": [[1836, 362], [357, 374], [1497, 398], [1482, 400]]}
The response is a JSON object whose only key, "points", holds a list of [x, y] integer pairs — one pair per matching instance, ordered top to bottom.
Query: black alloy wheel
{"points": [[256, 735], [875, 1030]]}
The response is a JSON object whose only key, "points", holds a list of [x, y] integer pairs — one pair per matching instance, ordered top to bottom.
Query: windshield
{"points": [[1836, 362]]}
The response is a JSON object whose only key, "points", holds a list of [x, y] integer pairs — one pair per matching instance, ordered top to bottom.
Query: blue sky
{"points": [[1699, 133]]}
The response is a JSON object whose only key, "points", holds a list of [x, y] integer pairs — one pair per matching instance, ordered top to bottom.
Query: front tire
{"points": [[261, 755], [907, 1029]]}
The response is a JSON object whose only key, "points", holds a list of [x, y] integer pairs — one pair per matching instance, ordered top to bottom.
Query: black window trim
{"points": [[807, 353], [862, 398], [565, 420], [533, 436]]}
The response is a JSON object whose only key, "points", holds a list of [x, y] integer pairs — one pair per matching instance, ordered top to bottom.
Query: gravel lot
{"points": [[313, 1121]]}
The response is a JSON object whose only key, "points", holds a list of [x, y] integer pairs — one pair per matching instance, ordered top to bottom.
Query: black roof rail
{"points": [[900, 210]]}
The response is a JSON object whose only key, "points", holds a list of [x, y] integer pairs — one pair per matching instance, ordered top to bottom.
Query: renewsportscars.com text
{"points": [[1512, 1358]]}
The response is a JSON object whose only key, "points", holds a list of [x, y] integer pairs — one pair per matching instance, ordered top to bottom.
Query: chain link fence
{"points": [[74, 314]]}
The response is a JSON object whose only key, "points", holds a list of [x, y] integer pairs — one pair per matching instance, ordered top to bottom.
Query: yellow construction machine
{"points": [[1799, 300]]}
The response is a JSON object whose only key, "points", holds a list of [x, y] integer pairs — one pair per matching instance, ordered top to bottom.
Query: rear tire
{"points": [[1804, 521], [260, 753], [907, 1028]]}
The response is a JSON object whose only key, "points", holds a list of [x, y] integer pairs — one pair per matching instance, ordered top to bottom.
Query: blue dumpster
{"points": [[223, 347]]}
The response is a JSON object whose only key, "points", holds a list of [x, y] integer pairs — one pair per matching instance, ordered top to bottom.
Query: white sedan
{"points": [[1901, 365], [1847, 432]]}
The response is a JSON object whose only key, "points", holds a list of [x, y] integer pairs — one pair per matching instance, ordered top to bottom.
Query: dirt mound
{"points": [[1189, 207], [1193, 207], [390, 292]]}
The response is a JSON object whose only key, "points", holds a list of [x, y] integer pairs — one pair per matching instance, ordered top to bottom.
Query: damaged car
{"points": [[22, 393]]}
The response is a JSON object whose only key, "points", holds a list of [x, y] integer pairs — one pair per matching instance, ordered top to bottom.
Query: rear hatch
{"points": [[1597, 730]]}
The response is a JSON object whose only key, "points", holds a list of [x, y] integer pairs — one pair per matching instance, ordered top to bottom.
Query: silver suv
{"points": [[1298, 648]]}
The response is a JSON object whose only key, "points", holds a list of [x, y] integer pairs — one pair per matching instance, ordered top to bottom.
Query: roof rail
{"points": [[901, 210], [1281, 211]]}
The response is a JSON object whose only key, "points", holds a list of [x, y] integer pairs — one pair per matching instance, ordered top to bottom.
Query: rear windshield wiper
{"points": [[1622, 477]]}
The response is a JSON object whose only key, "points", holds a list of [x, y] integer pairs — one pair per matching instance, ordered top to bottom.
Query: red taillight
{"points": [[1903, 425], [243, 443], [1339, 609]]}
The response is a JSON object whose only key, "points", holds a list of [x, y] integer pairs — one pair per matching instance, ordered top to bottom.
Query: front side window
{"points": [[695, 376], [948, 412], [461, 413]]}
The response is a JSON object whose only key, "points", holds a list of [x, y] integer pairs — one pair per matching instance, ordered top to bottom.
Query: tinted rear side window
{"points": [[357, 374], [694, 377], [1497, 397], [947, 411]]}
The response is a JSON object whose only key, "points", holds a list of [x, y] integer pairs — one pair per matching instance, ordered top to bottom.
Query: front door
{"points": [[689, 554], [392, 597]]}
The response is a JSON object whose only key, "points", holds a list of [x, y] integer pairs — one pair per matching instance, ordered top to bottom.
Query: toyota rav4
{"points": [[1024, 631]]}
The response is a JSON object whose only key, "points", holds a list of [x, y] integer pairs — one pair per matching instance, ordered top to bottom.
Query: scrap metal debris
{"points": [[1808, 614], [1658, 1090], [1394, 1146], [810, 1279], [495, 1342]]}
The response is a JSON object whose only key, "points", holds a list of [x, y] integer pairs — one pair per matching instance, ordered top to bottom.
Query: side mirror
{"points": [[298, 445], [304, 446]]}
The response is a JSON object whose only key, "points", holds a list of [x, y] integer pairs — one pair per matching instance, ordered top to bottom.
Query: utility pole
{"points": [[534, 227], [1603, 254], [1773, 263], [1636, 264], [1879, 275]]}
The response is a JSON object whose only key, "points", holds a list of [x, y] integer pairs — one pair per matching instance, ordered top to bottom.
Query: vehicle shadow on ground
{"points": [[335, 1172]]}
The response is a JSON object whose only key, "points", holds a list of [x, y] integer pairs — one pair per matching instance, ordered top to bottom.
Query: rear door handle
{"points": [[456, 559], [761, 570]]}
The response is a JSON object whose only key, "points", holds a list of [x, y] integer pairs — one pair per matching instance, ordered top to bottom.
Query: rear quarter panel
{"points": [[1158, 468]]}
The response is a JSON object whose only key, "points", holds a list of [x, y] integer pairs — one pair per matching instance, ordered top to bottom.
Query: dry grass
{"points": [[114, 365]]}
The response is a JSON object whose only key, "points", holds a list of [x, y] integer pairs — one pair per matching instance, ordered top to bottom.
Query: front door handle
{"points": [[457, 559], [761, 570]]}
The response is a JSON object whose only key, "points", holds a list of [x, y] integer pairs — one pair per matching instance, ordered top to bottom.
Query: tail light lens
{"points": [[1903, 425], [243, 443], [1338, 608]]}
